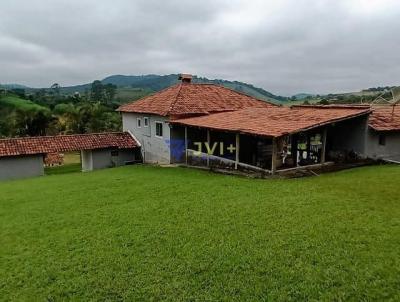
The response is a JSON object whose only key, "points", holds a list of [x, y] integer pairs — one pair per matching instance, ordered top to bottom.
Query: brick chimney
{"points": [[185, 78]]}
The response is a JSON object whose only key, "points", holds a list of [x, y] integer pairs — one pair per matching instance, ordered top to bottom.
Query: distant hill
{"points": [[13, 86], [131, 87], [302, 96]]}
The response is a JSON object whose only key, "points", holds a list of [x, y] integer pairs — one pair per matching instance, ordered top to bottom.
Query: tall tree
{"points": [[55, 88], [97, 91], [109, 91], [32, 122]]}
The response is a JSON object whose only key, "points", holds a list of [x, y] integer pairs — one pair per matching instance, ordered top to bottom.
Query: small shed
{"points": [[24, 157]]}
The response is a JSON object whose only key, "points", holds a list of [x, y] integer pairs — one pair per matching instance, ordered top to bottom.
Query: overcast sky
{"points": [[285, 46]]}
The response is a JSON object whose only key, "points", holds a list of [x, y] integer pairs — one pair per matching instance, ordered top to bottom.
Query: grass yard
{"points": [[125, 94], [18, 103], [72, 163], [63, 169], [148, 234]]}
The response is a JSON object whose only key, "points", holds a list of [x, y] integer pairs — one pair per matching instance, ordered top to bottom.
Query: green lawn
{"points": [[125, 94], [18, 103], [67, 168], [146, 233]]}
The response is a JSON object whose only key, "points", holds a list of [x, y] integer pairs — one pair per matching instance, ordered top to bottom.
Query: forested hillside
{"points": [[133, 87], [91, 107], [87, 108], [49, 112]]}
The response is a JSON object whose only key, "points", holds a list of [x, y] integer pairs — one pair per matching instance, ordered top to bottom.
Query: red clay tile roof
{"points": [[192, 99], [335, 106], [385, 118], [273, 122], [65, 143]]}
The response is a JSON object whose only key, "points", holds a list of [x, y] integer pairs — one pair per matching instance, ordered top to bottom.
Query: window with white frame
{"points": [[146, 121], [139, 122], [159, 129]]}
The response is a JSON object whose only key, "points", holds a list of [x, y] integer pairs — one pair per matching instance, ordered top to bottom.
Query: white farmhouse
{"points": [[148, 119]]}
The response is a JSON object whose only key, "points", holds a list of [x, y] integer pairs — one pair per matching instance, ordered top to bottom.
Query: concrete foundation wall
{"points": [[154, 149], [391, 149], [106, 158], [21, 167]]}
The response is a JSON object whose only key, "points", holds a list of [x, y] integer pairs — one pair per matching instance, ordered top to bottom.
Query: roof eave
{"points": [[329, 122], [380, 129]]}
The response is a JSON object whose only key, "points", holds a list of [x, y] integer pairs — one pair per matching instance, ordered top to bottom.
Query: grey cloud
{"points": [[283, 46]]}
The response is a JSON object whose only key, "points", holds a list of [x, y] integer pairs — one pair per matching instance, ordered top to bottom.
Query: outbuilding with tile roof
{"points": [[24, 156]]}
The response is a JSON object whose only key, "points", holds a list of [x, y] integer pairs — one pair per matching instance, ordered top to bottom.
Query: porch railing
{"points": [[196, 158]]}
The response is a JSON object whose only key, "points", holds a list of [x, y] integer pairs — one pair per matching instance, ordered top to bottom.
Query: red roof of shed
{"points": [[186, 99], [385, 118], [274, 122], [65, 143]]}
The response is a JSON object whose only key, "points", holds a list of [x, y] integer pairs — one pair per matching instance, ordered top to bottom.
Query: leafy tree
{"points": [[55, 88], [96, 91], [109, 91], [19, 92], [69, 117], [86, 118], [32, 122], [7, 123]]}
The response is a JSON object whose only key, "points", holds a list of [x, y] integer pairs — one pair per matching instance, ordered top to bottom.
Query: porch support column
{"points": [[208, 142], [186, 146], [308, 147], [293, 149], [237, 150], [323, 151], [274, 153]]}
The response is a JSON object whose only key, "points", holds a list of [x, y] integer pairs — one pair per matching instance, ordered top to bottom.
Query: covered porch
{"points": [[211, 148], [267, 152]]}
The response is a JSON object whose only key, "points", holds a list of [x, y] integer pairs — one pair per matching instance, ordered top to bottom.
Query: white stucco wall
{"points": [[154, 149], [391, 149], [86, 158], [103, 158], [21, 167]]}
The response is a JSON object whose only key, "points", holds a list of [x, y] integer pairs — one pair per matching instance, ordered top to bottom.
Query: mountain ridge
{"points": [[152, 83]]}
